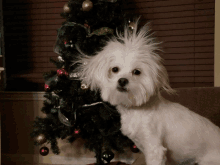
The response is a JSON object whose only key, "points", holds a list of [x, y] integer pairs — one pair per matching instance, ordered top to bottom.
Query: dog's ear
{"points": [[93, 70], [163, 80]]}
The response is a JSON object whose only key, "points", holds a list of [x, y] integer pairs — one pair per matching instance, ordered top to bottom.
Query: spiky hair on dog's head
{"points": [[94, 69]]}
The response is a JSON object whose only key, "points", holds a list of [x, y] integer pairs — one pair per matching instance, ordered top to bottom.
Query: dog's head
{"points": [[128, 71]]}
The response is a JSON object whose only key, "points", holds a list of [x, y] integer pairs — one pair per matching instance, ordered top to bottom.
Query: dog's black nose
{"points": [[122, 82]]}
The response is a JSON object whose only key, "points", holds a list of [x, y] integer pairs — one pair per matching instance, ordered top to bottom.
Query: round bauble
{"points": [[87, 5], [66, 8], [131, 26], [60, 58], [62, 72], [84, 86], [46, 88], [76, 133], [41, 139], [44, 151], [107, 156]]}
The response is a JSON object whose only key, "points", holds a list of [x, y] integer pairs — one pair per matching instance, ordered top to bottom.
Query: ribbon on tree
{"points": [[111, 1]]}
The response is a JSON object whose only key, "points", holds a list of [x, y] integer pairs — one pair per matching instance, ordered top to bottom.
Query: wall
{"points": [[185, 26], [217, 43], [18, 111]]}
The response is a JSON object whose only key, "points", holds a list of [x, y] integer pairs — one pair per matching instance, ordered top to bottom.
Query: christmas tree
{"points": [[72, 110]]}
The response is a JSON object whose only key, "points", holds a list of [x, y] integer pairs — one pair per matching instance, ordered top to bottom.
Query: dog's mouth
{"points": [[122, 89]]}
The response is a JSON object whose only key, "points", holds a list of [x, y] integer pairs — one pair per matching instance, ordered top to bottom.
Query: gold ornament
{"points": [[87, 5], [66, 8], [131, 25], [84, 86], [41, 139]]}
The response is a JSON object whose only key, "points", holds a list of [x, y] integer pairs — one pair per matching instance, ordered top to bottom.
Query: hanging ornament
{"points": [[87, 5], [66, 8], [131, 26], [60, 59], [62, 72], [84, 86], [46, 87], [76, 133], [41, 139], [134, 148], [44, 151], [108, 156]]}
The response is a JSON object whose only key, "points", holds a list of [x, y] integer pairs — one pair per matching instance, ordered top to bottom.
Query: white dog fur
{"points": [[130, 75]]}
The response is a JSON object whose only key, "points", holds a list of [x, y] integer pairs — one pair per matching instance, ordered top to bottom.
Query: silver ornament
{"points": [[60, 58], [84, 86]]}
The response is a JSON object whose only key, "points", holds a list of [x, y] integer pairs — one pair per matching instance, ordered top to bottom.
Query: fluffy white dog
{"points": [[130, 75]]}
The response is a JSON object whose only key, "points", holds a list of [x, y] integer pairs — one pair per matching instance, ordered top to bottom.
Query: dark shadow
{"points": [[18, 44], [22, 84]]}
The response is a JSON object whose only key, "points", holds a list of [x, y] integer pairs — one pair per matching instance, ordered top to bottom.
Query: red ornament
{"points": [[62, 72], [46, 87], [76, 131], [134, 148], [44, 151]]}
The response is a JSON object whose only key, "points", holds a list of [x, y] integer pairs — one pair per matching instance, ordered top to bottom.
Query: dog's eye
{"points": [[115, 69], [136, 72]]}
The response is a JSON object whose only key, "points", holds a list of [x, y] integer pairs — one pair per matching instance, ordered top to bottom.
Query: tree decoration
{"points": [[112, 1], [87, 5], [66, 8], [131, 26], [102, 31], [69, 35], [69, 44], [60, 58], [62, 72], [74, 75], [50, 82], [84, 86], [46, 88], [57, 91], [63, 119], [77, 131], [41, 139], [134, 148], [44, 151], [108, 156]]}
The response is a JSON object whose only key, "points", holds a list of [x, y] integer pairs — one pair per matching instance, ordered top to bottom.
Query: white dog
{"points": [[130, 75]]}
